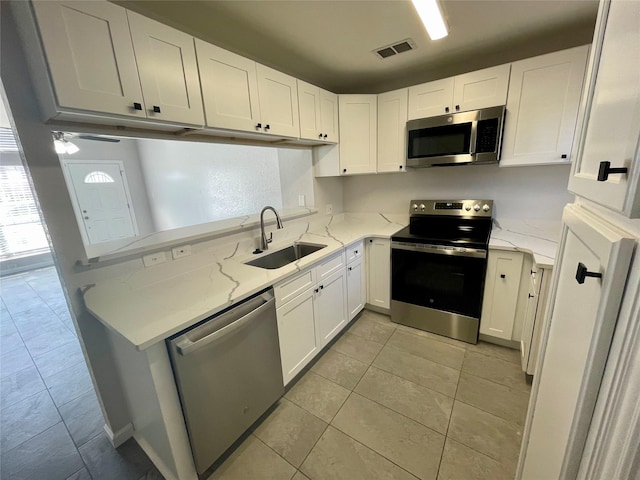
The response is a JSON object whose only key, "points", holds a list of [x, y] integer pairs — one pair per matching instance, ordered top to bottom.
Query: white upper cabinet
{"points": [[90, 57], [168, 71], [229, 89], [470, 91], [278, 94], [542, 108], [611, 112], [318, 113], [392, 121], [358, 133]]}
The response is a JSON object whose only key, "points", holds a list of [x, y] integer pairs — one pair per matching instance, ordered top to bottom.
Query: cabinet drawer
{"points": [[355, 251], [330, 266], [292, 287]]}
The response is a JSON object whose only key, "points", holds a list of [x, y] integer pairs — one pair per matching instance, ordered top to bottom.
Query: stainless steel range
{"points": [[438, 266]]}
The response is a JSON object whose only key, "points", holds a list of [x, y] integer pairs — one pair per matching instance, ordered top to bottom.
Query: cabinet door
{"points": [[90, 56], [168, 71], [229, 88], [481, 89], [278, 94], [544, 95], [430, 99], [309, 111], [329, 116], [392, 121], [611, 126], [358, 133], [379, 272], [355, 288], [501, 293], [331, 307], [540, 319], [297, 334], [576, 342]]}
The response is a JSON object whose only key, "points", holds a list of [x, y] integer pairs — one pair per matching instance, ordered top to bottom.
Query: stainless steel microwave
{"points": [[471, 137]]}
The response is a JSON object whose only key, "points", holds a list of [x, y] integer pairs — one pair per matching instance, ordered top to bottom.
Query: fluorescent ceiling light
{"points": [[431, 17], [59, 146], [71, 148]]}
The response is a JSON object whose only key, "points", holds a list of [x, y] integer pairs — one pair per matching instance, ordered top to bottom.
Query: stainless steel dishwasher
{"points": [[228, 373]]}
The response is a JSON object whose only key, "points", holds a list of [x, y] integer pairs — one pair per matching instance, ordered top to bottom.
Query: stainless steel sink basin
{"points": [[286, 256]]}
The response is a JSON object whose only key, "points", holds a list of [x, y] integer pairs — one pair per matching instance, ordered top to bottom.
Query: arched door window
{"points": [[98, 177]]}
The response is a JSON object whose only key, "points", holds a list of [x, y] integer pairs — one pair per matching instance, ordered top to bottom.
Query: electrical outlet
{"points": [[301, 201], [329, 209], [181, 251], [154, 259]]}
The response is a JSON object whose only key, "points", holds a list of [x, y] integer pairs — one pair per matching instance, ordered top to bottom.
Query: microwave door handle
{"points": [[474, 135]]}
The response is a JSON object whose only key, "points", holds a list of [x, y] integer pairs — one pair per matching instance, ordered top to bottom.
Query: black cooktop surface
{"points": [[444, 230]]}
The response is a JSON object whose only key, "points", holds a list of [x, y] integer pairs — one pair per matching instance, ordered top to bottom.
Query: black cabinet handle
{"points": [[137, 106], [457, 107], [156, 109], [446, 109], [259, 125], [267, 127], [320, 136], [325, 136], [564, 155], [400, 167], [344, 170], [605, 170], [350, 269], [582, 273], [502, 275], [321, 287], [316, 290], [531, 296]]}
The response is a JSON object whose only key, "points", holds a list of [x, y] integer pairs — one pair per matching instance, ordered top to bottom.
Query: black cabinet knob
{"points": [[137, 106], [457, 107], [156, 109], [446, 109], [259, 125], [267, 127], [320, 136], [325, 136], [564, 155], [400, 167], [344, 170], [605, 170], [355, 252], [350, 269], [582, 273], [502, 275], [321, 287]]}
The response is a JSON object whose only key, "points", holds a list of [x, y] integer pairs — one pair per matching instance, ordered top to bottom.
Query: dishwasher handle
{"points": [[185, 345]]}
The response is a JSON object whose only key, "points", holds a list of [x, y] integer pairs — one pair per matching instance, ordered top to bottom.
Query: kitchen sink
{"points": [[286, 256]]}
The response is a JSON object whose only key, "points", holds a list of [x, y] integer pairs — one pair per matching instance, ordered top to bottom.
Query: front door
{"points": [[102, 200]]}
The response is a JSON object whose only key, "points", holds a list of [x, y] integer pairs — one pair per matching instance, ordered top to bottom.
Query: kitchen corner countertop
{"points": [[538, 237], [154, 303]]}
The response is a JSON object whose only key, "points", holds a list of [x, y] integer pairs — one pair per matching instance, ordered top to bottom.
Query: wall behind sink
{"points": [[518, 192]]}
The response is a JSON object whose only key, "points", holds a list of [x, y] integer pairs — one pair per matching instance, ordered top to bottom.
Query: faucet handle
{"points": [[270, 239]]}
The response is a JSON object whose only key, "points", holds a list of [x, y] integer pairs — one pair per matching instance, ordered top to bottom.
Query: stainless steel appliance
{"points": [[456, 139], [438, 266], [228, 373]]}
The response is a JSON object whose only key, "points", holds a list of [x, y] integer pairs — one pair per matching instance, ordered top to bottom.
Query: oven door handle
{"points": [[439, 249]]}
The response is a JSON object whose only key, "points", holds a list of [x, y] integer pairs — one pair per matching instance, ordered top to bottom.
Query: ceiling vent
{"points": [[396, 48]]}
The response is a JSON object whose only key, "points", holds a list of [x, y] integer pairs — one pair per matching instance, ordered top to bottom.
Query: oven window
{"points": [[439, 141], [443, 282]]}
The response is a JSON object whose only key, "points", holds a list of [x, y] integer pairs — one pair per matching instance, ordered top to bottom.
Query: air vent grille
{"points": [[394, 49]]}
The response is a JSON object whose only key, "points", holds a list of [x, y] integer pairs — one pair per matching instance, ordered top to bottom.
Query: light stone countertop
{"points": [[538, 237], [154, 303]]}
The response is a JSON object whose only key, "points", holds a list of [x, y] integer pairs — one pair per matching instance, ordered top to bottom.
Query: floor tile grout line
{"points": [[429, 359]]}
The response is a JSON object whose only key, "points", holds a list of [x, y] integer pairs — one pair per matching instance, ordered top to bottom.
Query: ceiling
{"points": [[330, 43]]}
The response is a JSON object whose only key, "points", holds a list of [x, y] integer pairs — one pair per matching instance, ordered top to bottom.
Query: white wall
{"points": [[125, 151], [296, 176], [518, 192]]}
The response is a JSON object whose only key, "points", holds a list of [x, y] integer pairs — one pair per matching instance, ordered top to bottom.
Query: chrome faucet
{"points": [[264, 244]]}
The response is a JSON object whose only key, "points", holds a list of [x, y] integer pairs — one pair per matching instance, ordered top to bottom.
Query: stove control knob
{"points": [[415, 206], [422, 207], [467, 207], [476, 207], [486, 207]]}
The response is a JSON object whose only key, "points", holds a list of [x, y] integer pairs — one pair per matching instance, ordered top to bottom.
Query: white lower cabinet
{"points": [[379, 272], [356, 282], [502, 285], [311, 310], [534, 320]]}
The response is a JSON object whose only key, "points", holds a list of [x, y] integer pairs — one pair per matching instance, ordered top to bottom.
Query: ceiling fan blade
{"points": [[98, 139]]}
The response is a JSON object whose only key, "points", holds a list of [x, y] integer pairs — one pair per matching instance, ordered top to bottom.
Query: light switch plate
{"points": [[181, 251], [154, 259]]}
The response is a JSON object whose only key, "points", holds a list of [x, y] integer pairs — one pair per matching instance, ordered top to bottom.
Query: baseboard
{"points": [[373, 308], [500, 341], [121, 436]]}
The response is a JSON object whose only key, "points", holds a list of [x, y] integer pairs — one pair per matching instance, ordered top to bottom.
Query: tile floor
{"points": [[385, 402], [391, 402], [50, 419]]}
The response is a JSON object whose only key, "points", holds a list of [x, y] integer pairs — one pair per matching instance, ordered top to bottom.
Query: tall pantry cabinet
{"points": [[584, 397]]}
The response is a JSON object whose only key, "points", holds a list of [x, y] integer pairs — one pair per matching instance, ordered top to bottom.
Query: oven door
{"points": [[448, 279]]}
